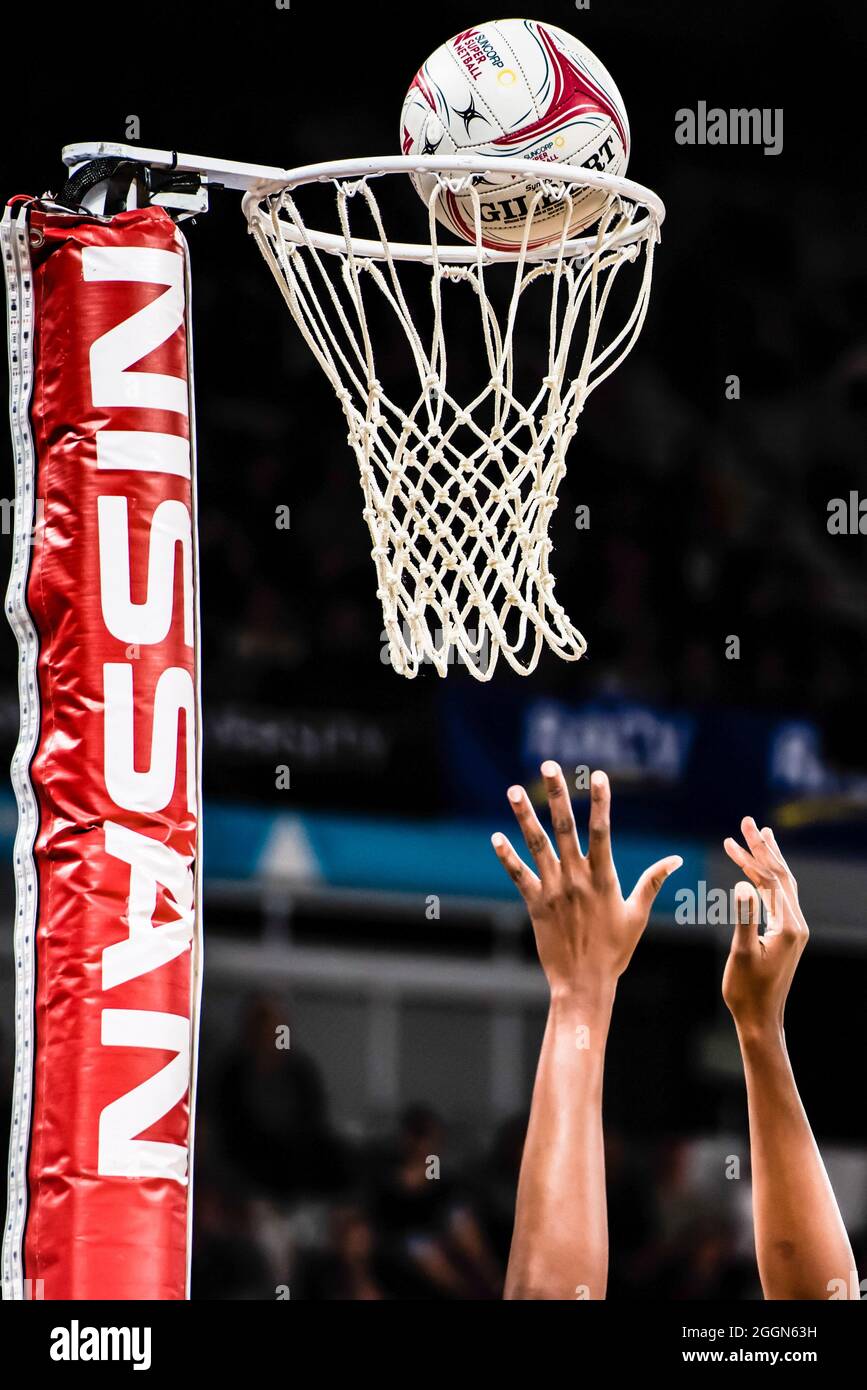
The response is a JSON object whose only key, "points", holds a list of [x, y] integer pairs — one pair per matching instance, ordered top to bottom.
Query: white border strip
{"points": [[14, 239], [197, 944]]}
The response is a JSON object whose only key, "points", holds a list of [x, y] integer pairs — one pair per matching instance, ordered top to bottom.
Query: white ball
{"points": [[516, 89]]}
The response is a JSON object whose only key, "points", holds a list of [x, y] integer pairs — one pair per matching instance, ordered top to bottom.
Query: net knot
{"points": [[454, 272], [553, 422]]}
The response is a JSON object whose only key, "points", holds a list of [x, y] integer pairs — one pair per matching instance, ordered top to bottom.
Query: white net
{"points": [[459, 492]]}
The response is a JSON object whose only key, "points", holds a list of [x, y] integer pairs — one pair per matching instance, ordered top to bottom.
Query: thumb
{"points": [[647, 887], [746, 917]]}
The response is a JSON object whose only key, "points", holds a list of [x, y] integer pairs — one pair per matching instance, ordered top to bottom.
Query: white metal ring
{"points": [[571, 175]]}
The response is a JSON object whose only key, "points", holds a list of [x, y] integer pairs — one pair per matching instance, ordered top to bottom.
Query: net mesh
{"points": [[459, 493]]}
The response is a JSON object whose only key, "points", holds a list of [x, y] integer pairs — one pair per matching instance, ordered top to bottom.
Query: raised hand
{"points": [[586, 931], [760, 969], [802, 1247]]}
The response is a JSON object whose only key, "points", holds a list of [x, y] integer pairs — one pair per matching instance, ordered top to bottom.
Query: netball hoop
{"points": [[461, 453], [460, 485]]}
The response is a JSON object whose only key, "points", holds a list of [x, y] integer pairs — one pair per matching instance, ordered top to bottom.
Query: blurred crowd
{"points": [[288, 1207]]}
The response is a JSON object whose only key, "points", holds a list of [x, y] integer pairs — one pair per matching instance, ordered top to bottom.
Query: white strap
{"points": [[14, 241]]}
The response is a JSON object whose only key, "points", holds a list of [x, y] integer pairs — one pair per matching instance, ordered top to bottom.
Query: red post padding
{"points": [[112, 592]]}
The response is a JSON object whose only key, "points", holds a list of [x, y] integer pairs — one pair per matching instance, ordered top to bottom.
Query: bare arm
{"points": [[585, 935], [560, 1241], [801, 1243]]}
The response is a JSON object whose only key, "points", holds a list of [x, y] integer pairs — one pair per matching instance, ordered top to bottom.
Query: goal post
{"points": [[103, 599]]}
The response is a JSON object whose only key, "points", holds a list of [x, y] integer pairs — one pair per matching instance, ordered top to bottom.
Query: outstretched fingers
{"points": [[562, 817], [536, 840], [599, 849], [743, 859], [768, 860], [763, 864], [758, 871], [523, 878], [791, 882], [644, 893], [745, 938]]}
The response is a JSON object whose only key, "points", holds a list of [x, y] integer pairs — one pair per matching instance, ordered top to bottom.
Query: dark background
{"points": [[708, 518]]}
